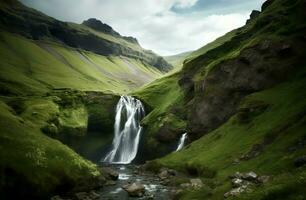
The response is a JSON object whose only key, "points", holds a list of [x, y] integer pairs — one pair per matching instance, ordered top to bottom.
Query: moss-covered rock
{"points": [[35, 166]]}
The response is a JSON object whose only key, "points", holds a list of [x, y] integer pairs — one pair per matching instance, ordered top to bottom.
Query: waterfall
{"points": [[127, 131], [181, 142]]}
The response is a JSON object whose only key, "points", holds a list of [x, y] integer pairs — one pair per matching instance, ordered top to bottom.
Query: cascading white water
{"points": [[127, 128], [181, 142]]}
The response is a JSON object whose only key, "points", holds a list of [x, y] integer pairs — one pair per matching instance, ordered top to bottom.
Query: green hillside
{"points": [[178, 60], [41, 66], [59, 85], [242, 101]]}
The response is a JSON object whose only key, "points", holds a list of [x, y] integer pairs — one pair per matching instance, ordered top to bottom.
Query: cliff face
{"points": [[266, 52]]}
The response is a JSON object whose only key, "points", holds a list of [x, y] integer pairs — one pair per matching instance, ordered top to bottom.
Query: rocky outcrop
{"points": [[99, 26], [218, 95], [242, 182]]}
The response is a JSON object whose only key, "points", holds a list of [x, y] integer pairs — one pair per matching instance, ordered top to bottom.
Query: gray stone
{"points": [[110, 173], [163, 174], [250, 176], [237, 182], [196, 183], [134, 189], [234, 192], [94, 195], [82, 196]]}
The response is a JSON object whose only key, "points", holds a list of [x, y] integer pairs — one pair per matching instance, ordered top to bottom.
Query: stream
{"points": [[127, 133], [129, 174]]}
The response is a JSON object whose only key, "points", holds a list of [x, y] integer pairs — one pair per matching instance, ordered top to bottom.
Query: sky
{"points": [[167, 27]]}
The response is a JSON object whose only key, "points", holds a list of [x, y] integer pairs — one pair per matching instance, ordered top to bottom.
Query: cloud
{"points": [[185, 3], [155, 23]]}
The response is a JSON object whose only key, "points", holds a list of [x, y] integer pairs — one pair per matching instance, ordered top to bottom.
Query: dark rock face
{"points": [[254, 15], [99, 26], [217, 97]]}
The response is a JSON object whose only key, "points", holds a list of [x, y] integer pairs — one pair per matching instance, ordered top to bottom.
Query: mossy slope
{"points": [[243, 103], [33, 165]]}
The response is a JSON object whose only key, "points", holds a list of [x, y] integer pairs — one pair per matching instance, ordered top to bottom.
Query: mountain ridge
{"points": [[38, 26]]}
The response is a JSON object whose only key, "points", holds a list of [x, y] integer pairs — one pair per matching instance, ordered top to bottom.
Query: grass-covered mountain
{"points": [[40, 53], [59, 83], [242, 103]]}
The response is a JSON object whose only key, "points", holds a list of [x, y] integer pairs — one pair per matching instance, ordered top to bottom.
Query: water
{"points": [[129, 113], [181, 142], [130, 174]]}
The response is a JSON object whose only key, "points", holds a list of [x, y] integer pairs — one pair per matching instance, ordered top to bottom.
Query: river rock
{"points": [[110, 173], [163, 174], [108, 183], [134, 189], [94, 195], [82, 196], [56, 198]]}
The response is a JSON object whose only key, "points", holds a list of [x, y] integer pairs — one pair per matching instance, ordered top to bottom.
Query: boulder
{"points": [[110, 173], [166, 173], [163, 174], [249, 176], [110, 182], [237, 182], [196, 183], [134, 189], [235, 192], [94, 195], [82, 196]]}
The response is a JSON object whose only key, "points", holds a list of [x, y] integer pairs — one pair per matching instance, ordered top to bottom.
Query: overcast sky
{"points": [[165, 26]]}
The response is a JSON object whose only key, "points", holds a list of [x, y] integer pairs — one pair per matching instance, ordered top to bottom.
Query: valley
{"points": [[87, 113]]}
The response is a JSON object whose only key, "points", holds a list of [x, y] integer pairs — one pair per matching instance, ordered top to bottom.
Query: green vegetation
{"points": [[216, 43], [177, 61], [35, 67], [160, 97], [265, 130], [220, 148], [31, 158]]}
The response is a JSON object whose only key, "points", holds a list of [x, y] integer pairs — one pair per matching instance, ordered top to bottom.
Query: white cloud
{"points": [[185, 3], [151, 21], [171, 33]]}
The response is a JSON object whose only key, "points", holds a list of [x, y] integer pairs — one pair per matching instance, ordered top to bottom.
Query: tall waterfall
{"points": [[129, 113], [181, 142]]}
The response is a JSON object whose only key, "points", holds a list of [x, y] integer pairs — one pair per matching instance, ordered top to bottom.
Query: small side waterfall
{"points": [[129, 113], [181, 142]]}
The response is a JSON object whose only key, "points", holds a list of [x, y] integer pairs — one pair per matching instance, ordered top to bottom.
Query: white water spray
{"points": [[129, 113], [181, 142]]}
